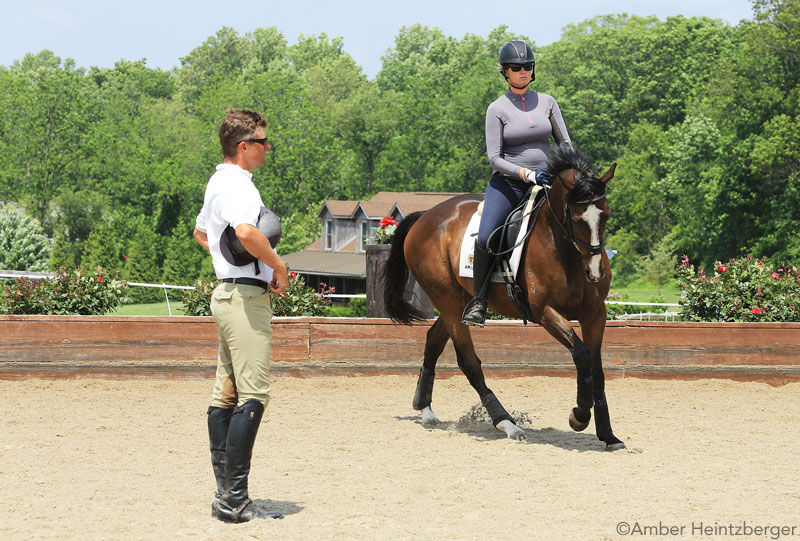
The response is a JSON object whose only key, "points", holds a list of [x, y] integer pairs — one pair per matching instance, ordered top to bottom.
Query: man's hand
{"points": [[280, 280]]}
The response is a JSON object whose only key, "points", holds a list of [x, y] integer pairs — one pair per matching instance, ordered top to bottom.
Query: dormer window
{"points": [[329, 235], [362, 239]]}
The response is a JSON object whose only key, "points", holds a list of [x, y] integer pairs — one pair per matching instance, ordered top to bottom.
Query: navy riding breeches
{"points": [[502, 196]]}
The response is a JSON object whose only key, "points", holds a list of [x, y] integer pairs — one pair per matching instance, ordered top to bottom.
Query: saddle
{"points": [[509, 238]]}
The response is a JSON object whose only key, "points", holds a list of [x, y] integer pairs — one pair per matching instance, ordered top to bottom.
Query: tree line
{"points": [[701, 116]]}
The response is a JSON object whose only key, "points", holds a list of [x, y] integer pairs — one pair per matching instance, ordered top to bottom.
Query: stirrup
{"points": [[474, 314]]}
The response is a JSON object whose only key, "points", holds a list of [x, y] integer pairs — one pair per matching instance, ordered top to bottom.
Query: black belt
{"points": [[247, 282]]}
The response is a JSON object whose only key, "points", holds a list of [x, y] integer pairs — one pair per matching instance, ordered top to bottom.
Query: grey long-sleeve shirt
{"points": [[518, 129]]}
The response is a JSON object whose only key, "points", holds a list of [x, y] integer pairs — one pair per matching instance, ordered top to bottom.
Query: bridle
{"points": [[566, 226]]}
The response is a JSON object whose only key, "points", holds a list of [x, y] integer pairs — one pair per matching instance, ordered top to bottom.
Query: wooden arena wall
{"points": [[179, 346]]}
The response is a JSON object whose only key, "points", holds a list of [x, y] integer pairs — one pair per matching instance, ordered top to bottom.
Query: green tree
{"points": [[46, 114], [72, 217], [300, 229], [23, 244], [101, 250], [183, 258], [143, 264], [659, 266]]}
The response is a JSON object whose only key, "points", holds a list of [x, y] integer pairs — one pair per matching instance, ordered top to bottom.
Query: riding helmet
{"points": [[516, 52], [231, 247]]}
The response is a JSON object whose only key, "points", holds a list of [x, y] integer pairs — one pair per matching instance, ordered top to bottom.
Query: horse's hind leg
{"points": [[435, 342], [470, 365]]}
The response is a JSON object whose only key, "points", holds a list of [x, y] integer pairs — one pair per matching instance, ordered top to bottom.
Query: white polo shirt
{"points": [[230, 198]]}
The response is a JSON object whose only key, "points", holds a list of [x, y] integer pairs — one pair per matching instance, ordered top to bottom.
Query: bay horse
{"points": [[564, 274]]}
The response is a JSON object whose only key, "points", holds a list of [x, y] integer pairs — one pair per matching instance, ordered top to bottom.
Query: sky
{"points": [[99, 33]]}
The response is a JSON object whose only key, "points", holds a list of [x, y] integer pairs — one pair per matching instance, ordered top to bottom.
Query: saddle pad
{"points": [[468, 242]]}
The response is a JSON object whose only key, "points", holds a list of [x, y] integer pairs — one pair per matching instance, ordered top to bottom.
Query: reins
{"points": [[566, 226], [504, 227], [594, 249]]}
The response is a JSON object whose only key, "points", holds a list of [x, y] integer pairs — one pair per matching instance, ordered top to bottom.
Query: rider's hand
{"points": [[529, 176]]}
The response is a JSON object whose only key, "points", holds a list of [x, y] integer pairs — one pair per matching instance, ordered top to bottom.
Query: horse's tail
{"points": [[395, 276]]}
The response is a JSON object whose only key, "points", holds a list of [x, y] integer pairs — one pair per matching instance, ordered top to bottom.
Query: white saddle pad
{"points": [[468, 242]]}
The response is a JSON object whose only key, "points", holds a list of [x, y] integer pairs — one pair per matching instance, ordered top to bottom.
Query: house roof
{"points": [[383, 203], [340, 208], [349, 264]]}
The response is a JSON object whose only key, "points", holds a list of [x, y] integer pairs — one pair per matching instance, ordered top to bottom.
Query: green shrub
{"points": [[23, 244], [746, 289], [70, 292], [296, 300], [197, 301], [358, 307]]}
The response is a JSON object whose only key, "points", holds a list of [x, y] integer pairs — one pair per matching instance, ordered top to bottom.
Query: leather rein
{"points": [[566, 226]]}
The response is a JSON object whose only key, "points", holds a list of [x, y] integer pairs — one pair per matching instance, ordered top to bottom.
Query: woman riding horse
{"points": [[519, 125], [564, 275]]}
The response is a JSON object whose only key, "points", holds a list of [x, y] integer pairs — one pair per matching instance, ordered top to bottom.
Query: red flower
{"points": [[387, 221], [124, 257], [722, 268], [293, 273], [776, 275], [99, 278], [757, 311]]}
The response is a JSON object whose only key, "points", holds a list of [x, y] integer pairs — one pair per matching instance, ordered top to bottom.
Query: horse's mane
{"points": [[586, 186]]}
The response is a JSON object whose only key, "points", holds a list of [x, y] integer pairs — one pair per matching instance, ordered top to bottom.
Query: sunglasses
{"points": [[516, 67], [263, 141]]}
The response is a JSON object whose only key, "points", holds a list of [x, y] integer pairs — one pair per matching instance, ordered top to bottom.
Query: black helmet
{"points": [[516, 52], [231, 247]]}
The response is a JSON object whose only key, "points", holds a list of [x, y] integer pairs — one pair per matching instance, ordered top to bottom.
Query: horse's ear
{"points": [[609, 174]]}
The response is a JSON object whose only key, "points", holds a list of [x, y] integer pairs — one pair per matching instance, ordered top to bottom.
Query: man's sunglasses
{"points": [[516, 67], [263, 141]]}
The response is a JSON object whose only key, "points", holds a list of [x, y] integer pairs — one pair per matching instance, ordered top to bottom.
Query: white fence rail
{"points": [[13, 275]]}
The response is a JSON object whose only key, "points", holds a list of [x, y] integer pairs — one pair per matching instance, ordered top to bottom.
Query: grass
{"points": [[638, 291], [154, 309]]}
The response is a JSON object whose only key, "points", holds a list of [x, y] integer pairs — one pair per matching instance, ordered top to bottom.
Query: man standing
{"points": [[242, 310]]}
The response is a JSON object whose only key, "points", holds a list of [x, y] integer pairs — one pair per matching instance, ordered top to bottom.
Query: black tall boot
{"points": [[475, 312], [218, 421], [235, 504]]}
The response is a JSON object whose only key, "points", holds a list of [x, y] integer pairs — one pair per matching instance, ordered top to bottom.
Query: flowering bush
{"points": [[385, 230], [746, 289], [70, 292], [296, 300], [197, 301]]}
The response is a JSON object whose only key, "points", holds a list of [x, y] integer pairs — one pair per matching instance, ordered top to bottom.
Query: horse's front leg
{"points": [[561, 330], [593, 337], [470, 365]]}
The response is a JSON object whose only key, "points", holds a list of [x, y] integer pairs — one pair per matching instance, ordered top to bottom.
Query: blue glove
{"points": [[542, 177]]}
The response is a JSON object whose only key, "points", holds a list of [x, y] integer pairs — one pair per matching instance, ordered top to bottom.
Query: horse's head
{"points": [[585, 208]]}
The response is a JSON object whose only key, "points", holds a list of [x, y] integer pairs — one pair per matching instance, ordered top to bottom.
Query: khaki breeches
{"points": [[243, 314]]}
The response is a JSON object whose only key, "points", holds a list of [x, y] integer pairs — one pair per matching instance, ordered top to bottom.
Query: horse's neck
{"points": [[555, 207]]}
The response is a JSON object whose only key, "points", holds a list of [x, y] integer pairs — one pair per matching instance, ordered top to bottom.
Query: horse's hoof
{"points": [[428, 417], [577, 425], [512, 431], [615, 446]]}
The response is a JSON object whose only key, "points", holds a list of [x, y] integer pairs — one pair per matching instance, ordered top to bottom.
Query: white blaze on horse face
{"points": [[592, 217]]}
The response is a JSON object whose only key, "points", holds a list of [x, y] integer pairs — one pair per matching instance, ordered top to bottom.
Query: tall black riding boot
{"points": [[475, 312], [218, 421], [235, 504]]}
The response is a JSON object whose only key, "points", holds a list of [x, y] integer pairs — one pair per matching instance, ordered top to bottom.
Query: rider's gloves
{"points": [[529, 176], [539, 177]]}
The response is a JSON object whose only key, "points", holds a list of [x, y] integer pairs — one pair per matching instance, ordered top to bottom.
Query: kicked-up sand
{"points": [[348, 458]]}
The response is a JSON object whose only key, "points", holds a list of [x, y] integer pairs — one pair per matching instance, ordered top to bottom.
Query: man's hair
{"points": [[239, 125]]}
